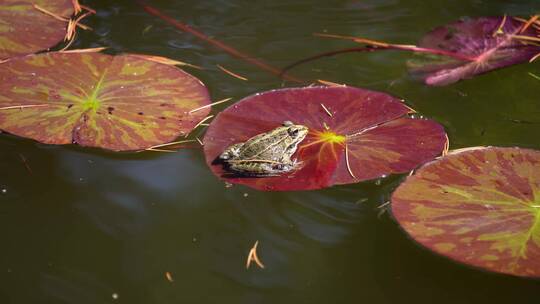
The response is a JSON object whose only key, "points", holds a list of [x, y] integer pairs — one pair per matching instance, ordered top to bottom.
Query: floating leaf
{"points": [[24, 29], [490, 42], [459, 50], [92, 99], [373, 127], [479, 206]]}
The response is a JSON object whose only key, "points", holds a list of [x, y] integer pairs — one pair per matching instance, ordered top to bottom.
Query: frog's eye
{"points": [[293, 131]]}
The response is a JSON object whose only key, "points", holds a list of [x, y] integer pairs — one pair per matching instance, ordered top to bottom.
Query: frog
{"points": [[266, 154]]}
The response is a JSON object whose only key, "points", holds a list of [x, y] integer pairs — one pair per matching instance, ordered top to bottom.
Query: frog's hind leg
{"points": [[295, 164], [281, 168], [246, 169]]}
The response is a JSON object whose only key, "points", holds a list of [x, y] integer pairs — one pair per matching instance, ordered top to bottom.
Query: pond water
{"points": [[87, 226]]}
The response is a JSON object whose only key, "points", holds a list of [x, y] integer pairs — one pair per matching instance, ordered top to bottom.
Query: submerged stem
{"points": [[413, 48], [232, 51], [325, 54]]}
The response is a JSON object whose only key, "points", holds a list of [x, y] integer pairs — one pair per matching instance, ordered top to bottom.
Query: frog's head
{"points": [[296, 132]]}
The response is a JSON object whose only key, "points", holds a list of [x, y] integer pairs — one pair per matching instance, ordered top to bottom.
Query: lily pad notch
{"points": [[354, 135]]}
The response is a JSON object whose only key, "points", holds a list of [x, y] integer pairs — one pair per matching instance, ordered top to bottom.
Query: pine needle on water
{"points": [[235, 75], [209, 105], [252, 257]]}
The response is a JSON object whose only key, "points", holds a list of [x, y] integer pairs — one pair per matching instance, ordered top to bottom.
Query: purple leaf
{"points": [[493, 42], [354, 135]]}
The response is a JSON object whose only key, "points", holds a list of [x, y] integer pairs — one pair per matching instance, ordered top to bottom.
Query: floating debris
{"points": [[252, 257]]}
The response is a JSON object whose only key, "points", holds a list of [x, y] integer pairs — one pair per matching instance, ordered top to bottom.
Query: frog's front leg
{"points": [[231, 152], [292, 164]]}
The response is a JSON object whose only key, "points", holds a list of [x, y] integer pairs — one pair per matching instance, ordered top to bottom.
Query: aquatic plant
{"points": [[32, 26], [490, 43], [459, 50], [120, 103], [354, 135], [478, 206]]}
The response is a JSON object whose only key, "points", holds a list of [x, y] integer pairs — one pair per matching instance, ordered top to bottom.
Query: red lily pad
{"points": [[26, 30], [489, 42], [114, 102], [380, 137], [479, 206]]}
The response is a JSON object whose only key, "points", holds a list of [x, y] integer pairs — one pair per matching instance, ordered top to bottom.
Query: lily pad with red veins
{"points": [[25, 30], [489, 42], [118, 103], [372, 127], [478, 206]]}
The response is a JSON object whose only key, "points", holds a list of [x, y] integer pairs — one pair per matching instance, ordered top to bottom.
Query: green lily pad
{"points": [[26, 30], [119, 103], [478, 206]]}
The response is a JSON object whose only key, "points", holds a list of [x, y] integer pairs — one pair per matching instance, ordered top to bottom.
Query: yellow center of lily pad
{"points": [[92, 103], [331, 137]]}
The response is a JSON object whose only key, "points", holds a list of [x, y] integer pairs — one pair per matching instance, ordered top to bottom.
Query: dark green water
{"points": [[79, 225]]}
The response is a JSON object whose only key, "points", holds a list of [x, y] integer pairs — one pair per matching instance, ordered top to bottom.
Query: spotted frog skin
{"points": [[266, 154]]}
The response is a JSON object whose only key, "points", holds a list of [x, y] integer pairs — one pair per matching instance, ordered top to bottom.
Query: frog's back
{"points": [[261, 146]]}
